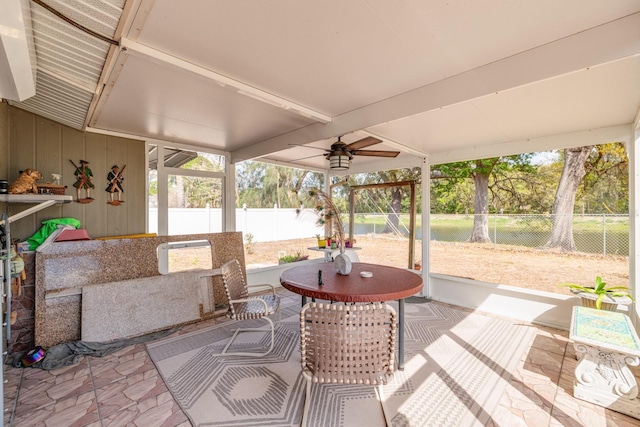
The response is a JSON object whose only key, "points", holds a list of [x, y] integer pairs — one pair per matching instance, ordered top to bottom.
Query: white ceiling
{"points": [[428, 77]]}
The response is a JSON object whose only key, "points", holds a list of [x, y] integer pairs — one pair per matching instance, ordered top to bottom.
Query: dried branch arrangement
{"points": [[328, 213]]}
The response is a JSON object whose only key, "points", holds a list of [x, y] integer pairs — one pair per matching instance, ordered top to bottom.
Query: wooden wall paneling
{"points": [[4, 141], [22, 141], [31, 141], [4, 145], [22, 146], [72, 149], [48, 150], [135, 187], [116, 215], [96, 219]]}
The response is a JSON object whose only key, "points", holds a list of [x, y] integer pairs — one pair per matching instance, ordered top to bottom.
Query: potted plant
{"points": [[292, 258], [600, 296]]}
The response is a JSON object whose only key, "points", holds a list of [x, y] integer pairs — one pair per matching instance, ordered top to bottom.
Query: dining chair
{"points": [[245, 307], [347, 344]]}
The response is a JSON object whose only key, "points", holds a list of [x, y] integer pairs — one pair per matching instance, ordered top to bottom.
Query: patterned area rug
{"points": [[457, 365]]}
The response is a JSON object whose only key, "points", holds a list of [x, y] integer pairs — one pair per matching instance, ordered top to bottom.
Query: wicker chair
{"points": [[243, 307], [347, 344]]}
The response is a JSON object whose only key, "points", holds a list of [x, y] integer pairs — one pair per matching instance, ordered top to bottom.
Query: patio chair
{"points": [[244, 307], [352, 344]]}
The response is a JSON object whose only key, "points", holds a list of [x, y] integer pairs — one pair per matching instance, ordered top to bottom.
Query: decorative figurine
{"points": [[56, 178], [115, 179], [83, 180], [26, 182]]}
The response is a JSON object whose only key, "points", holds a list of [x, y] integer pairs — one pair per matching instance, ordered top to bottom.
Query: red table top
{"points": [[387, 283]]}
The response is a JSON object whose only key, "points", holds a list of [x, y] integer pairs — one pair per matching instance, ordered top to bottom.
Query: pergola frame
{"points": [[412, 209]]}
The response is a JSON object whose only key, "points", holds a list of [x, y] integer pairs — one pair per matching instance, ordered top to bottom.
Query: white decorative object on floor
{"points": [[606, 343]]}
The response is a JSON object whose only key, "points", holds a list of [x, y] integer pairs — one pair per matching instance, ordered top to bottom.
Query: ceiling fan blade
{"points": [[362, 143], [374, 153]]}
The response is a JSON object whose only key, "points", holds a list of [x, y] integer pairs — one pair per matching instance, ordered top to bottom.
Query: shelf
{"points": [[34, 198], [43, 201], [329, 250]]}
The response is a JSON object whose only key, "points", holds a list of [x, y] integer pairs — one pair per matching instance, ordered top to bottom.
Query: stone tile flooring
{"points": [[125, 389]]}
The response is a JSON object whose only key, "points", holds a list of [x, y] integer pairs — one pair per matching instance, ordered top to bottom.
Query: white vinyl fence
{"points": [[265, 225]]}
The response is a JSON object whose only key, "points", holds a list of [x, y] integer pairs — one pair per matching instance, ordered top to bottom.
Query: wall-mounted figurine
{"points": [[115, 179], [83, 181], [26, 182]]}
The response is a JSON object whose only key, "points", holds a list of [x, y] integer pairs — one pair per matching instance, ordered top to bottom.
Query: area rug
{"points": [[457, 366]]}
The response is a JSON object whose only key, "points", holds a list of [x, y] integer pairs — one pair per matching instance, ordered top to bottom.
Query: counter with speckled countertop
{"points": [[63, 268]]}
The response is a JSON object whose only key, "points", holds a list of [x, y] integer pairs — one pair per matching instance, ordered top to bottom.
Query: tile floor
{"points": [[125, 389]]}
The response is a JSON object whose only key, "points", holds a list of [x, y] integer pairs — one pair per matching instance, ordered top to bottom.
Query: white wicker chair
{"points": [[243, 307], [347, 344]]}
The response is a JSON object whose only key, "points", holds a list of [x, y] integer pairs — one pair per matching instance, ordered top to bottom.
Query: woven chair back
{"points": [[234, 285], [348, 344]]}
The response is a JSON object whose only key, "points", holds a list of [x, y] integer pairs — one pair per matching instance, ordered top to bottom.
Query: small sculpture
{"points": [[56, 178], [115, 179], [83, 180], [26, 182]]}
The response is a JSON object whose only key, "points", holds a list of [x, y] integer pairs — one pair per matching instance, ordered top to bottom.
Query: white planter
{"points": [[609, 302]]}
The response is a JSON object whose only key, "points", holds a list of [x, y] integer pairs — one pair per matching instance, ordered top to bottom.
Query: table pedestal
{"points": [[606, 344], [603, 377]]}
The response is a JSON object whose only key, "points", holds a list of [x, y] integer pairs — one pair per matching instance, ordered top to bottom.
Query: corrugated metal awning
{"points": [[69, 60]]}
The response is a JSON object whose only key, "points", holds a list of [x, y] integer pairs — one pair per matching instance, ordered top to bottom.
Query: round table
{"points": [[386, 284]]}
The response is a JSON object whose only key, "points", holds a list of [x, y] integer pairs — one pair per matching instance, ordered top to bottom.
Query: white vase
{"points": [[342, 264]]}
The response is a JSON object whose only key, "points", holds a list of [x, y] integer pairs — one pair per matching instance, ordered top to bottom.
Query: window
{"points": [[185, 191], [266, 213], [493, 220], [184, 256]]}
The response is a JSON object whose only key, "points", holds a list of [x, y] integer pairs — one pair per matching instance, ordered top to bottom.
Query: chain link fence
{"points": [[598, 234], [605, 234]]}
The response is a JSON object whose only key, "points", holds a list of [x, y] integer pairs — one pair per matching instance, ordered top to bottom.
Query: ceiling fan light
{"points": [[339, 162]]}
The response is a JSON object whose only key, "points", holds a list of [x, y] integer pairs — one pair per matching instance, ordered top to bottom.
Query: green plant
{"points": [[248, 243], [293, 258], [600, 290]]}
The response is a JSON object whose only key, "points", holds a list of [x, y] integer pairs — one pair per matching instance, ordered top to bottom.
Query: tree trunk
{"points": [[572, 173], [181, 199], [393, 219], [480, 232]]}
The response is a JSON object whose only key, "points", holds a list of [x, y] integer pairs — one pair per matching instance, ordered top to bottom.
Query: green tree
{"points": [[589, 168], [490, 177], [263, 185], [605, 186], [196, 192], [562, 214]]}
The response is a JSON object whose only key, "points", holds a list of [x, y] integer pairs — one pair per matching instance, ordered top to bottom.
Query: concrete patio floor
{"points": [[125, 389]]}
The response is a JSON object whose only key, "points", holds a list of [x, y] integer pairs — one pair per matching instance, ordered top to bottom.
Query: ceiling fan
{"points": [[340, 154]]}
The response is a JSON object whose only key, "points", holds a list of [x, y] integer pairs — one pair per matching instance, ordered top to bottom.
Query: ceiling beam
{"points": [[609, 42], [621, 133]]}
